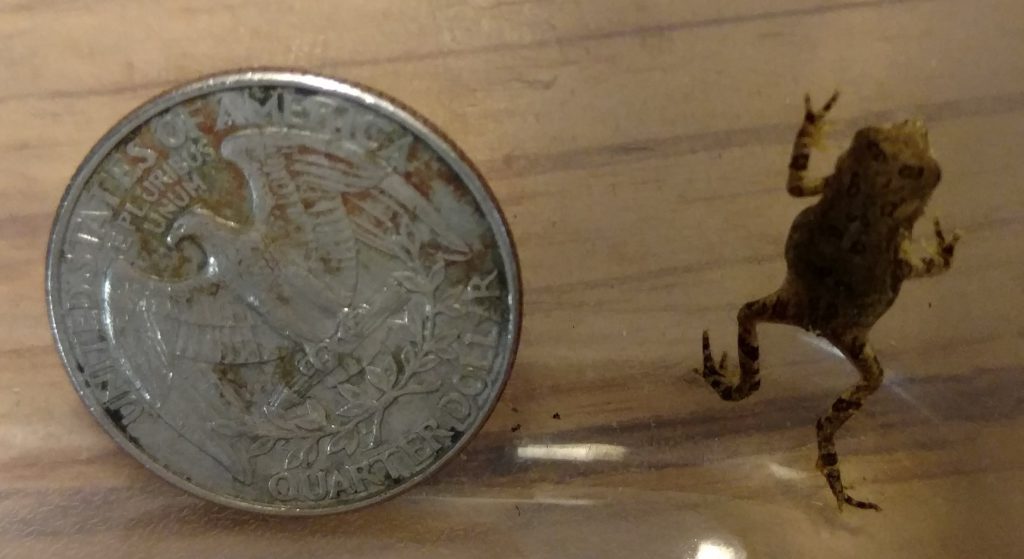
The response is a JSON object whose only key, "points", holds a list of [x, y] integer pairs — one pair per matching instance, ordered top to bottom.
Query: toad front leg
{"points": [[797, 184], [939, 260]]}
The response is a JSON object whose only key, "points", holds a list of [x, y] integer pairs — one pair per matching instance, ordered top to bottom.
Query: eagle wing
{"points": [[284, 166], [304, 224], [153, 322]]}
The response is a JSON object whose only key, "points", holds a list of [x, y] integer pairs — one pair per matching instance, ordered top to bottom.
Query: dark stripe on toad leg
{"points": [[796, 182], [773, 308], [749, 349], [863, 358], [714, 376], [842, 405]]}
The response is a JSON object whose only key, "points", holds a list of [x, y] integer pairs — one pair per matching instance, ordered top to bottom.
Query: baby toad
{"points": [[847, 256]]}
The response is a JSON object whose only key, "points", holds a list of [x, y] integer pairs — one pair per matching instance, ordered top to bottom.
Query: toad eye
{"points": [[876, 152], [911, 172]]}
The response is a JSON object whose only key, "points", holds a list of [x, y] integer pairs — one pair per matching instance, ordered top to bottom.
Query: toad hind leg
{"points": [[797, 183], [773, 308], [871, 373]]}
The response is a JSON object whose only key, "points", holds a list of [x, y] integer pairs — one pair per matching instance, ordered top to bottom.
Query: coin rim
{"points": [[372, 99]]}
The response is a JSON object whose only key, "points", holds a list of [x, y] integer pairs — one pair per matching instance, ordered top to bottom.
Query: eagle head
{"points": [[195, 222]]}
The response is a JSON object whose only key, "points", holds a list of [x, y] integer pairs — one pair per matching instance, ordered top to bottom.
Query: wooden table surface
{"points": [[639, 149]]}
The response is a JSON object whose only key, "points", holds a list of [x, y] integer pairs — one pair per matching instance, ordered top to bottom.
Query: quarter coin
{"points": [[282, 292]]}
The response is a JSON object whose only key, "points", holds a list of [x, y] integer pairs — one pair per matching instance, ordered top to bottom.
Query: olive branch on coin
{"points": [[313, 433]]}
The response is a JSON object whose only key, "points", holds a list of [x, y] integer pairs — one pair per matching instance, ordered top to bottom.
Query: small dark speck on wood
{"points": [[556, 416], [516, 427]]}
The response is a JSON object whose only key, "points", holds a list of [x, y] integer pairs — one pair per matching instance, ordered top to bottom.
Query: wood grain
{"points": [[639, 149]]}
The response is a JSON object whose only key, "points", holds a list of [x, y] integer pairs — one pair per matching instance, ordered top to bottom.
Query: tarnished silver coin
{"points": [[282, 292]]}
